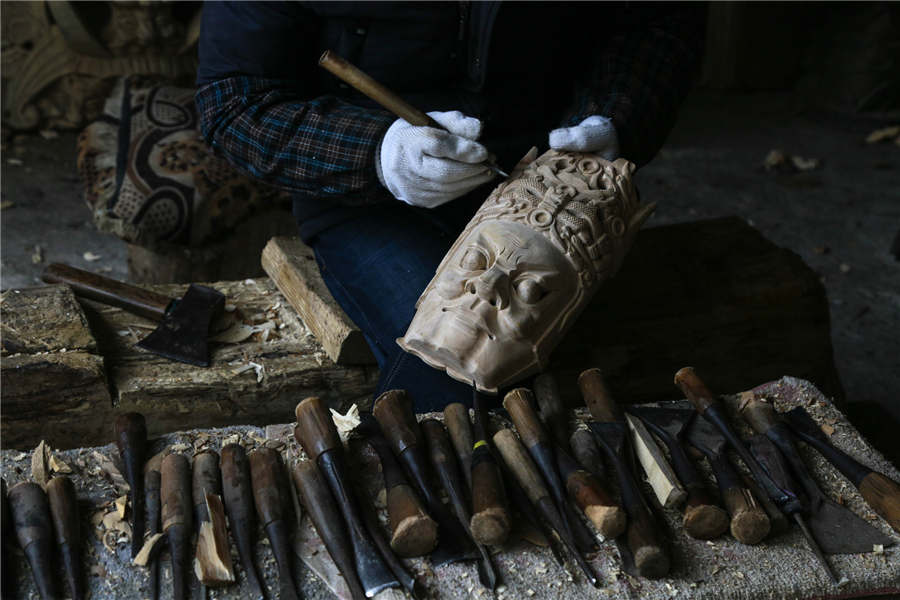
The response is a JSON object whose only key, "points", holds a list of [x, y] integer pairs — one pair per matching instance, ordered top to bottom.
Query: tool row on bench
{"points": [[539, 469]]}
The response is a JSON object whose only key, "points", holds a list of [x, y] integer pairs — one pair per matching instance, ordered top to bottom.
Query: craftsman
{"points": [[381, 201]]}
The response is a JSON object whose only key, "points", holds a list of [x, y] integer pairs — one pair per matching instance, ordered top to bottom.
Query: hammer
{"points": [[184, 323]]}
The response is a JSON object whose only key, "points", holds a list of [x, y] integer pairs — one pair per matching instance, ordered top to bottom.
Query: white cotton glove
{"points": [[594, 134], [427, 167]]}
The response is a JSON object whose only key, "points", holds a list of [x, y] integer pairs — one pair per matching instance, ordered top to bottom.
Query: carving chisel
{"points": [[364, 84], [711, 410], [395, 416], [318, 436], [131, 440], [519, 462], [444, 464], [267, 477], [205, 479], [152, 481], [882, 493], [175, 494], [237, 494], [64, 510], [490, 521], [34, 530], [650, 556]]}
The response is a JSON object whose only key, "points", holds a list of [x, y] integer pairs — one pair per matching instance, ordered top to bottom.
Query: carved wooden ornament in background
{"points": [[525, 267]]}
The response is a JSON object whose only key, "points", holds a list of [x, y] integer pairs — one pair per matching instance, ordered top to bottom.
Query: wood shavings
{"points": [[884, 134], [778, 160], [90, 256], [258, 368], [347, 422], [828, 429], [232, 439], [179, 447], [40, 459], [58, 466], [112, 472], [120, 503], [878, 548], [143, 557]]}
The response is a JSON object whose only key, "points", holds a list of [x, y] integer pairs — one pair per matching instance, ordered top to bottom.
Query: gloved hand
{"points": [[594, 134], [427, 167]]}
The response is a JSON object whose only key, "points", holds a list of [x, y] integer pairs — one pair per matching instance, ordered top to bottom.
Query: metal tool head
{"points": [[182, 335], [673, 421], [800, 421], [610, 436]]}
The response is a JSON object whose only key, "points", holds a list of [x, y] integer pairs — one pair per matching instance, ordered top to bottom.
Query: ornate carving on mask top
{"points": [[525, 266]]}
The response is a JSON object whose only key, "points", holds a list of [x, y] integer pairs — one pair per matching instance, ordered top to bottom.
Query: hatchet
{"points": [[184, 322]]}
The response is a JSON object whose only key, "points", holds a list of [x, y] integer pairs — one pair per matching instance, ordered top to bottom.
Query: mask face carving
{"points": [[524, 268]]}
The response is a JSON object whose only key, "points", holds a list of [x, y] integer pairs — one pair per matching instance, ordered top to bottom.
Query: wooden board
{"points": [[292, 266]]}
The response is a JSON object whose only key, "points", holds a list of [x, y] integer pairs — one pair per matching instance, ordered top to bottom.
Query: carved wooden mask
{"points": [[525, 267]]}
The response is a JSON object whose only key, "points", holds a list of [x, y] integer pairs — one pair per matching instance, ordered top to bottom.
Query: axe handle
{"points": [[109, 291]]}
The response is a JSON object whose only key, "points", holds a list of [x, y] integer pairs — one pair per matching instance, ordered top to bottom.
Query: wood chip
{"points": [[883, 134], [91, 257], [346, 423], [828, 429], [40, 459], [58, 466], [107, 466], [121, 503], [143, 557], [212, 564]]}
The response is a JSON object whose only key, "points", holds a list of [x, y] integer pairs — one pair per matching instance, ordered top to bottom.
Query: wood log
{"points": [[292, 266]]}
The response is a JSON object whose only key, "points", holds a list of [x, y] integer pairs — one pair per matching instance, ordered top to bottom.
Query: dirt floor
{"points": [[840, 217]]}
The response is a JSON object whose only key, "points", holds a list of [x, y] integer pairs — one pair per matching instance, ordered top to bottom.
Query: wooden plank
{"points": [[292, 266]]}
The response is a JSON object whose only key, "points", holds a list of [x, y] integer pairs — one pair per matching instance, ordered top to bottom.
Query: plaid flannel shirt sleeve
{"points": [[642, 75], [323, 146]]}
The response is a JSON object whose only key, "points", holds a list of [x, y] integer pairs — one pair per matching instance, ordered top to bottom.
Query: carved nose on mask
{"points": [[492, 286]]}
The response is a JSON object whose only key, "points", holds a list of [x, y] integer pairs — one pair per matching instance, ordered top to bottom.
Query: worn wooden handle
{"points": [[364, 84], [109, 291], [694, 389], [596, 395], [519, 403], [760, 414], [395, 416], [456, 419], [315, 430], [519, 462], [206, 477], [265, 477], [236, 484], [175, 491], [883, 495], [596, 503], [63, 509], [703, 519], [749, 522], [34, 529], [650, 557]]}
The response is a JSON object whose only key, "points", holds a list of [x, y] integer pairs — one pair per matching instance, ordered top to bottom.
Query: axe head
{"points": [[183, 333]]}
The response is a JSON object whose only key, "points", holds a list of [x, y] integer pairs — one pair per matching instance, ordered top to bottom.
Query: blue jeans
{"points": [[376, 261]]}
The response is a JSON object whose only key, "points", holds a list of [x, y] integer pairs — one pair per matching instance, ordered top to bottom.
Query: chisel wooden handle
{"points": [[361, 82], [109, 291], [553, 412], [394, 414], [456, 419], [131, 440], [586, 452], [519, 462], [206, 479], [267, 480], [152, 481], [881, 492], [175, 493], [237, 494], [592, 498], [320, 506], [64, 510], [491, 520], [749, 522], [34, 530], [413, 531], [650, 557], [7, 578]]}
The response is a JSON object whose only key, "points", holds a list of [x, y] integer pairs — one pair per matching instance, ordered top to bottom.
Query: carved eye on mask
{"points": [[473, 260], [529, 290]]}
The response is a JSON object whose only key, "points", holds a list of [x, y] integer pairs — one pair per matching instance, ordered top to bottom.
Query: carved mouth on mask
{"points": [[471, 319]]}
